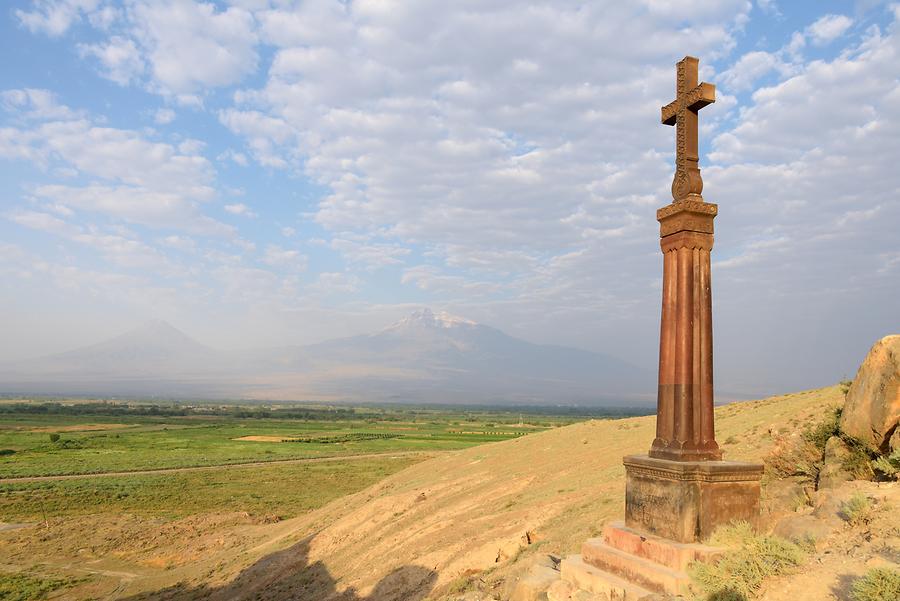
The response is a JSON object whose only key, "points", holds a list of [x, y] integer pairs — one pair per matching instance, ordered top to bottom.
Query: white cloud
{"points": [[769, 7], [54, 17], [828, 28], [192, 46], [119, 58], [748, 69], [34, 103], [164, 116], [422, 123], [264, 134], [236, 157], [136, 179], [240, 209], [44, 222], [182, 243], [120, 250], [368, 254], [290, 259], [337, 283]]}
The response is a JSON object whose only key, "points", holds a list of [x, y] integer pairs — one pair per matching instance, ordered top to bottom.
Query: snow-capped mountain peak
{"points": [[428, 319]]}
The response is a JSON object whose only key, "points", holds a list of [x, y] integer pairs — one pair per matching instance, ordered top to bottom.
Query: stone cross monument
{"points": [[684, 422], [682, 489], [678, 493]]}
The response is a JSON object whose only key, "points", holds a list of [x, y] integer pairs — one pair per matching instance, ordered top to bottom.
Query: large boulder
{"points": [[872, 409]]}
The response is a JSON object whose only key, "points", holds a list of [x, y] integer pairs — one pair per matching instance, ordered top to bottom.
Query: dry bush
{"points": [[794, 456], [887, 467], [857, 510], [750, 559], [878, 584]]}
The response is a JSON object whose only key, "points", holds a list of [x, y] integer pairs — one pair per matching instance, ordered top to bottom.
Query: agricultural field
{"points": [[73, 457], [138, 487]]}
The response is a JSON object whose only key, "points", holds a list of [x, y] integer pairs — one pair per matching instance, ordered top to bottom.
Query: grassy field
{"points": [[39, 439], [57, 444], [141, 487], [282, 491]]}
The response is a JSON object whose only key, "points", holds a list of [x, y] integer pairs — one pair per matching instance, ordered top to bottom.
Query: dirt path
{"points": [[199, 468]]}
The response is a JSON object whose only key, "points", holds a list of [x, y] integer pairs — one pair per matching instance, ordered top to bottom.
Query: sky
{"points": [[277, 172]]}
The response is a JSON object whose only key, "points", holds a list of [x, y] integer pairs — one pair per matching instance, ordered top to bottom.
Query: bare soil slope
{"points": [[427, 530]]}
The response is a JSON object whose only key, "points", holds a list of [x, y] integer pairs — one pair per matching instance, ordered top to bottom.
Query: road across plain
{"points": [[198, 468]]}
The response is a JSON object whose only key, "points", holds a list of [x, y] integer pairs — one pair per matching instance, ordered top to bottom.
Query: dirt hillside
{"points": [[477, 513]]}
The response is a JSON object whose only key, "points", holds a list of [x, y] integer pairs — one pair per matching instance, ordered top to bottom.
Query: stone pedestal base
{"points": [[685, 501], [626, 565]]}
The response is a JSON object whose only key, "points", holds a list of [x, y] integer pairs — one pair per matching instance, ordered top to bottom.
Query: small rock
{"points": [[784, 496], [806, 529], [549, 561], [533, 586], [561, 590], [586, 596]]}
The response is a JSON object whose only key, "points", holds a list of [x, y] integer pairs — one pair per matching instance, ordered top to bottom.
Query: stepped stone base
{"points": [[685, 501], [670, 507], [668, 553], [626, 565], [590, 578]]}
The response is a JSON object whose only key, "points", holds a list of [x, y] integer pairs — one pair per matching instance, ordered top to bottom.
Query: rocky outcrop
{"points": [[872, 409], [834, 470]]}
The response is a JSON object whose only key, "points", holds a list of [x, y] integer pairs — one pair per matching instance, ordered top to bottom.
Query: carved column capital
{"points": [[691, 214]]}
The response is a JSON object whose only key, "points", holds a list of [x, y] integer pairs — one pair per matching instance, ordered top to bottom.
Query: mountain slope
{"points": [[154, 346], [425, 357], [451, 359]]}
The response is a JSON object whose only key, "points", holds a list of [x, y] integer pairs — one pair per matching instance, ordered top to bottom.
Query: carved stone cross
{"points": [[682, 112], [681, 489]]}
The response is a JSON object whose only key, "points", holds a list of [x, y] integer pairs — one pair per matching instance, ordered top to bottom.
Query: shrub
{"points": [[845, 386], [819, 434], [54, 437], [7, 452], [795, 458], [858, 461], [887, 466], [857, 510], [750, 559], [878, 584], [27, 587]]}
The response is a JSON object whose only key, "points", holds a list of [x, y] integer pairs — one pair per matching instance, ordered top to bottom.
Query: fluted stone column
{"points": [[684, 424], [682, 490]]}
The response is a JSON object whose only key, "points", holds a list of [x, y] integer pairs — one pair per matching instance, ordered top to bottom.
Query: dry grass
{"points": [[857, 510], [751, 559], [878, 584]]}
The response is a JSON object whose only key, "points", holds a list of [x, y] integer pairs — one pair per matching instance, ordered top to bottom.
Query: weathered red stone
{"points": [[684, 421]]}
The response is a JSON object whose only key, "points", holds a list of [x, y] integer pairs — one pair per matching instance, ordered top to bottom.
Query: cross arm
{"points": [[700, 96], [696, 99], [669, 113]]}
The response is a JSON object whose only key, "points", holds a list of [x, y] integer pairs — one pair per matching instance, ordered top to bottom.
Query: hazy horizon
{"points": [[328, 168]]}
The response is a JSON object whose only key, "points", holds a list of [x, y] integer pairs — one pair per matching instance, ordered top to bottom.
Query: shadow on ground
{"points": [[288, 575], [841, 589]]}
